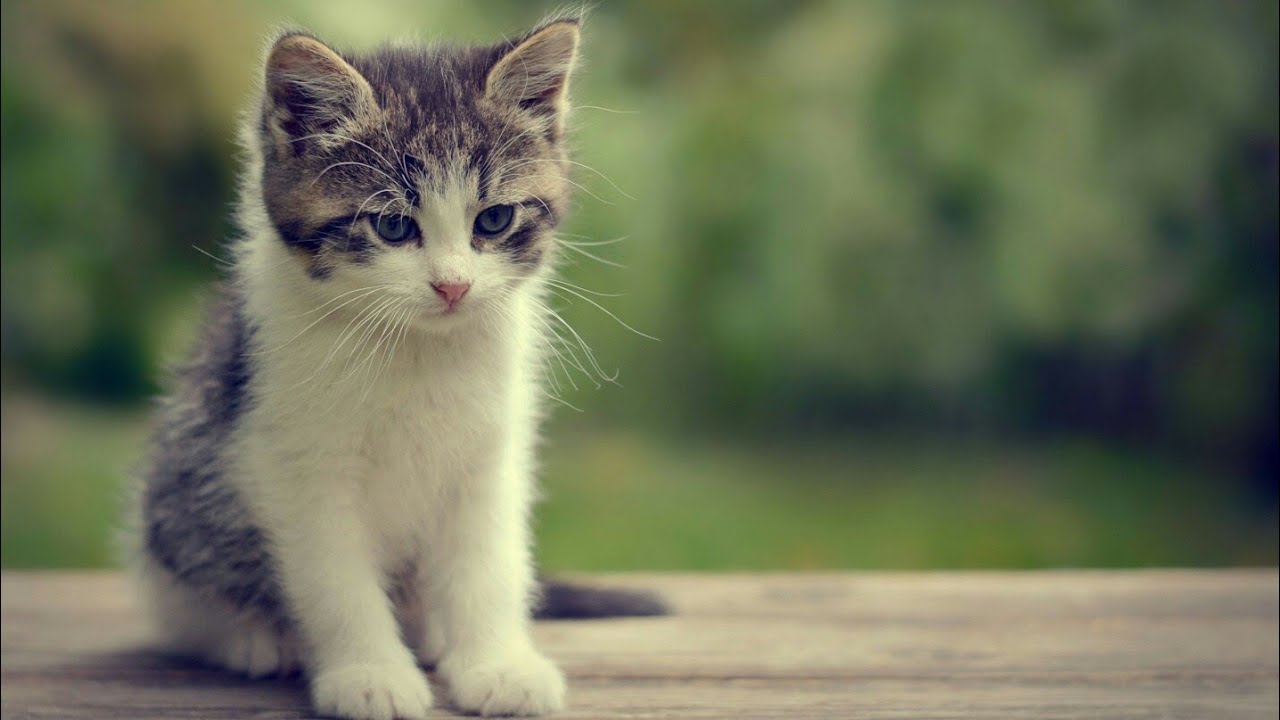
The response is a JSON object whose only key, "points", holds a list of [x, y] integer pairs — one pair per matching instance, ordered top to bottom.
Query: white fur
{"points": [[362, 464]]}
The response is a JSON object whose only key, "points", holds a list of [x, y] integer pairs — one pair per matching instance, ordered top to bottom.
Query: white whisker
{"points": [[605, 109], [351, 162], [612, 184], [592, 243], [574, 248], [215, 258], [558, 282], [366, 291], [606, 311]]}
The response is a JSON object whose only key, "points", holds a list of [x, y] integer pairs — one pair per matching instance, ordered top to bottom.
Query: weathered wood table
{"points": [[1143, 644]]}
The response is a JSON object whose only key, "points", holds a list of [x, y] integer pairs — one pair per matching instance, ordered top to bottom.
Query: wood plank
{"points": [[1132, 644]]}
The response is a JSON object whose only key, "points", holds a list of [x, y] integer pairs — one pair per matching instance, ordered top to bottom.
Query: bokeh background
{"points": [[936, 284]]}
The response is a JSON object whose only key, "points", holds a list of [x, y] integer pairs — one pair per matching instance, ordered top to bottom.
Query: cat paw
{"points": [[258, 652], [524, 684], [372, 691]]}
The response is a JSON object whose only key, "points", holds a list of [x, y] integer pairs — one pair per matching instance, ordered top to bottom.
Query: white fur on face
{"points": [[445, 217]]}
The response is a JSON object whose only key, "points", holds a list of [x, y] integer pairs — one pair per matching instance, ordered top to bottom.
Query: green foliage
{"points": [[627, 501], [883, 502]]}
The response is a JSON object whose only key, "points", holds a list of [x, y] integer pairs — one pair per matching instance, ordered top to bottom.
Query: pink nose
{"points": [[451, 292]]}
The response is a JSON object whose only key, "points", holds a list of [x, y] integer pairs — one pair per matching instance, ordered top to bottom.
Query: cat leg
{"points": [[477, 591], [212, 630], [256, 649], [359, 668]]}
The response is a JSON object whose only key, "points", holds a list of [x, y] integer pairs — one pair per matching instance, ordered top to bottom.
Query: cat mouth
{"points": [[442, 312]]}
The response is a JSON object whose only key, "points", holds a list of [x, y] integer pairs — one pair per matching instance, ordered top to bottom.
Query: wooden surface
{"points": [[1147, 644]]}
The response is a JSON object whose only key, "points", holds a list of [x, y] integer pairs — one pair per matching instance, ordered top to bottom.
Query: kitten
{"points": [[342, 474]]}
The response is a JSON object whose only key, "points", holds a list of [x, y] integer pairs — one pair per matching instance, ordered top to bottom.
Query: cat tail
{"points": [[561, 600]]}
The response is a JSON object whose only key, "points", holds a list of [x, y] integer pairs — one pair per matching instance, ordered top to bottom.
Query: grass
{"points": [[62, 484], [625, 501]]}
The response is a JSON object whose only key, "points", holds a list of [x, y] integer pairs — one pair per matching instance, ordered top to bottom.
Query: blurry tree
{"points": [[1009, 216]]}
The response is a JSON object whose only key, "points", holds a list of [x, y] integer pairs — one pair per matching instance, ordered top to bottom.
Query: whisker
{"points": [[605, 109], [345, 138], [350, 162], [560, 177], [612, 184], [356, 217], [592, 243], [574, 248], [210, 255], [557, 282], [367, 292], [335, 299], [606, 311], [403, 319], [389, 324], [381, 326], [353, 327], [369, 327], [343, 337], [550, 343], [586, 348], [562, 401]]}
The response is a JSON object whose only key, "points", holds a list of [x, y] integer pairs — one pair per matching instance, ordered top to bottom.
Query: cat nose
{"points": [[451, 292]]}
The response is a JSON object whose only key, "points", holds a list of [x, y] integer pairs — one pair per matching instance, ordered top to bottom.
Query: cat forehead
{"points": [[424, 88], [432, 110]]}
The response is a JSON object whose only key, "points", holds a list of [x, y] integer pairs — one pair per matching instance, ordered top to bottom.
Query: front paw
{"points": [[522, 684], [372, 691]]}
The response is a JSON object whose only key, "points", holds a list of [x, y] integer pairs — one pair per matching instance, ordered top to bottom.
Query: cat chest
{"points": [[435, 426], [424, 449]]}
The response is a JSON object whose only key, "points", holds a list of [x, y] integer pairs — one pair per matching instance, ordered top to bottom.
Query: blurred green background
{"points": [[937, 284]]}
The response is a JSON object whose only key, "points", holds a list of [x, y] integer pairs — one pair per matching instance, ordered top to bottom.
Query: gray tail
{"points": [[568, 601]]}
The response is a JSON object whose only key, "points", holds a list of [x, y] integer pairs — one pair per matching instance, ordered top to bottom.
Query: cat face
{"points": [[432, 174]]}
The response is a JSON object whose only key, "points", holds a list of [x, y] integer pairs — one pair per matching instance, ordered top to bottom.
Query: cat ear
{"points": [[534, 73], [311, 90]]}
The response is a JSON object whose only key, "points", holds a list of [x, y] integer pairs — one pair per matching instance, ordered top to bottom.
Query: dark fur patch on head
{"points": [[411, 117], [523, 244]]}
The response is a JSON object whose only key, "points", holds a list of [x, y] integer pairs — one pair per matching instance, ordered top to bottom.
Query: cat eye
{"points": [[493, 220], [394, 228]]}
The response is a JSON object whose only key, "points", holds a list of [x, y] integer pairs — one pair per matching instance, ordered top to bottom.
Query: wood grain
{"points": [[1072, 644]]}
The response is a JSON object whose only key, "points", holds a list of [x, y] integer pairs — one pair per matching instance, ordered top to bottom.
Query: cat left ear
{"points": [[534, 73], [312, 90]]}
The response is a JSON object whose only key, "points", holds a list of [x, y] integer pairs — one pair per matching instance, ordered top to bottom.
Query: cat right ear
{"points": [[533, 74], [311, 91]]}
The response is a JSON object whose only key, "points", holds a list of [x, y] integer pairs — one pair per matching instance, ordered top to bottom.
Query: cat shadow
{"points": [[152, 679]]}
